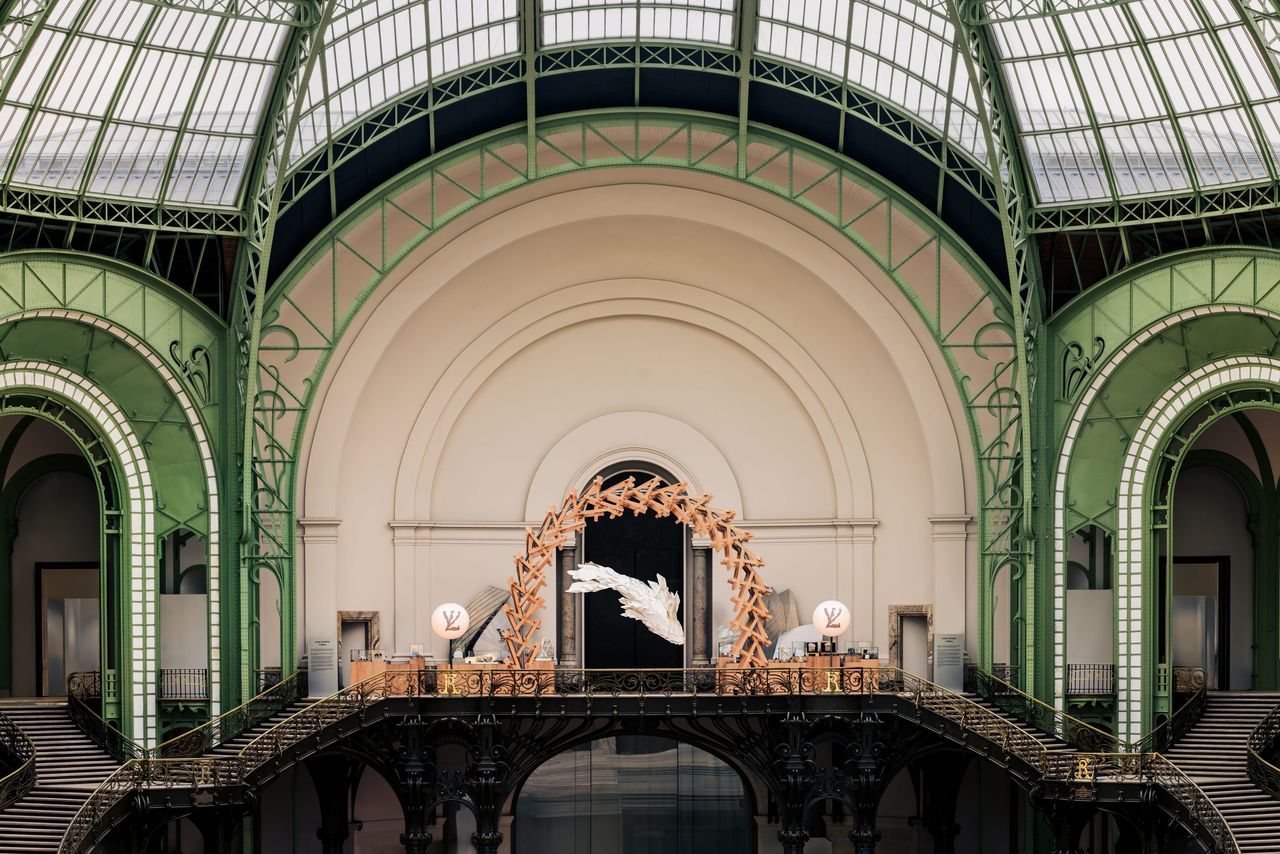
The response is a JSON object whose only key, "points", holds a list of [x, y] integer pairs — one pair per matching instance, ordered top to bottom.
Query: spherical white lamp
{"points": [[831, 618], [450, 621]]}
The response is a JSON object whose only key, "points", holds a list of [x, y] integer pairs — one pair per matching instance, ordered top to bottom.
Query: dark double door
{"points": [[642, 547]]}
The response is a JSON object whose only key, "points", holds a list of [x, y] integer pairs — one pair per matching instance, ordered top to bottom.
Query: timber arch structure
{"points": [[653, 495]]}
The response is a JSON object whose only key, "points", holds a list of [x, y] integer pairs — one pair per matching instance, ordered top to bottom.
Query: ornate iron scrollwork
{"points": [[1076, 366], [197, 367]]}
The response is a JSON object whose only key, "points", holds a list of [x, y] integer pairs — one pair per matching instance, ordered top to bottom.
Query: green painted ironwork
{"points": [[304, 48], [1228, 302], [50, 303], [975, 334], [1010, 506]]}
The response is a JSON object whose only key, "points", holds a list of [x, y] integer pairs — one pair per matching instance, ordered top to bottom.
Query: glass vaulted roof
{"points": [[164, 101]]}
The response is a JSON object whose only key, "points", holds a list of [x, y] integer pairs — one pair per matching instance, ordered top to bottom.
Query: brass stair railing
{"points": [[82, 688], [358, 699], [1044, 717], [1183, 719], [234, 722], [14, 742], [1264, 742]]}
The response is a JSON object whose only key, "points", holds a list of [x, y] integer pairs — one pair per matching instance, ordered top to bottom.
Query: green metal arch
{"points": [[148, 307], [295, 348], [1175, 449], [103, 468]]}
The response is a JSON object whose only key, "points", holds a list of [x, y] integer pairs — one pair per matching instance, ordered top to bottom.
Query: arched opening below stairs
{"points": [[633, 794]]}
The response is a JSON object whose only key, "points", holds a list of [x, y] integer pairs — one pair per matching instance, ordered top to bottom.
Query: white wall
{"points": [[556, 332], [1090, 627], [184, 630]]}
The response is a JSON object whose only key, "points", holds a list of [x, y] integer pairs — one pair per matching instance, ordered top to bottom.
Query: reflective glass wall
{"points": [[633, 795]]}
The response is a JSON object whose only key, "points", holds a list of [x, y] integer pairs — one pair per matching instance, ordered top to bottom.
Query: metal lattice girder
{"points": [[1004, 11], [296, 13], [1008, 540], [257, 552]]}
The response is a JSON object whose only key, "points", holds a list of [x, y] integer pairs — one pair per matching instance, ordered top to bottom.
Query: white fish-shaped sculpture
{"points": [[649, 602]]}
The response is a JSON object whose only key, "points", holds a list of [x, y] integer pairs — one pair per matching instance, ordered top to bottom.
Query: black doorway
{"points": [[643, 547]]}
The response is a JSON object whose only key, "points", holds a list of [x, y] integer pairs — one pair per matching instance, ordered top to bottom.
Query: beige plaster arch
{"points": [[703, 199], [576, 304], [624, 436]]}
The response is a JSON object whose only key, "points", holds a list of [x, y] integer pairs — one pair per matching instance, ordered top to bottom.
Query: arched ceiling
{"points": [[157, 113]]}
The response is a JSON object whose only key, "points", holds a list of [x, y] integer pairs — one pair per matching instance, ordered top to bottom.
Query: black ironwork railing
{"points": [[1004, 672], [268, 677], [1091, 679], [184, 683], [84, 690], [1044, 717], [1184, 718], [975, 719], [1264, 745], [21, 755]]}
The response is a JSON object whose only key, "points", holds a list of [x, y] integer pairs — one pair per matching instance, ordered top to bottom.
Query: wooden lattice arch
{"points": [[695, 511]]}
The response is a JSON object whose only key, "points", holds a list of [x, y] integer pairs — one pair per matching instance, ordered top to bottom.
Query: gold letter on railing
{"points": [[450, 687]]}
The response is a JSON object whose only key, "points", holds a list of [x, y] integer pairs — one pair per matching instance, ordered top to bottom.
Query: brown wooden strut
{"points": [[695, 511]]}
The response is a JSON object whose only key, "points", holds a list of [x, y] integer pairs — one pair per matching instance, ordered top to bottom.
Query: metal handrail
{"points": [[499, 682], [80, 687], [1046, 718], [233, 722], [1180, 722], [1263, 742], [15, 785], [1193, 799]]}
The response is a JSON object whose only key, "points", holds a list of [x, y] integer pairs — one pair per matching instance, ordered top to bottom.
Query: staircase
{"points": [[1051, 743], [235, 745], [1213, 755], [68, 768]]}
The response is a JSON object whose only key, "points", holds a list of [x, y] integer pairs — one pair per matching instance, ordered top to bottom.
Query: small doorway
{"points": [[642, 547], [1201, 603], [70, 624], [358, 632], [910, 638]]}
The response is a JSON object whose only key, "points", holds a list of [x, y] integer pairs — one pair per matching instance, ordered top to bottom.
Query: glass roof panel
{"points": [[566, 22], [899, 51], [376, 52], [125, 92], [1174, 93], [163, 101]]}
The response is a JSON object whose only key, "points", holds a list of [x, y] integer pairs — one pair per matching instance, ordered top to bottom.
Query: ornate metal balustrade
{"points": [[1091, 679], [1192, 680], [183, 683], [83, 689], [584, 693], [1044, 717], [234, 722], [1264, 744], [22, 755]]}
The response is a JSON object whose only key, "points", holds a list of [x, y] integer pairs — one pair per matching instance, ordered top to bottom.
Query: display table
{"points": [[362, 670]]}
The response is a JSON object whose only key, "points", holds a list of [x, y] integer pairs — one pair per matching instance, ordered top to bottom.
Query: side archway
{"points": [[124, 452]]}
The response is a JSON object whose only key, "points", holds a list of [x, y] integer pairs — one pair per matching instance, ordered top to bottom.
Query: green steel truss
{"points": [[975, 333], [1009, 506], [258, 539]]}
